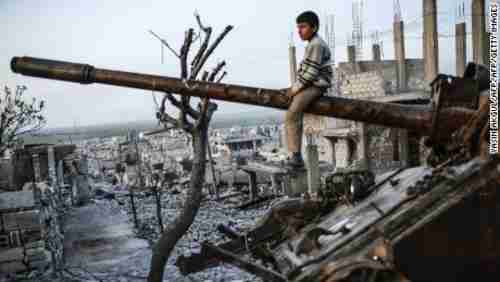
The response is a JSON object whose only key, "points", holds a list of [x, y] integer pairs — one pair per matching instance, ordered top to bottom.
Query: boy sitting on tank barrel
{"points": [[313, 79]]}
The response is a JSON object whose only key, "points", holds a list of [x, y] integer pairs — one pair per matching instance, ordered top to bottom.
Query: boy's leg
{"points": [[293, 117]]}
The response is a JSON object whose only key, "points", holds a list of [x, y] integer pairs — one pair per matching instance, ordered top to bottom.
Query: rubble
{"points": [[414, 212], [204, 228], [31, 233]]}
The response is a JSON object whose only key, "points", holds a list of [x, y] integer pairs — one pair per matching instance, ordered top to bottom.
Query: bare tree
{"points": [[18, 117], [194, 121]]}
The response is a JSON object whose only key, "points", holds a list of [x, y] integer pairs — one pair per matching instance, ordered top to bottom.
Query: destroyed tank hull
{"points": [[416, 224], [434, 224]]}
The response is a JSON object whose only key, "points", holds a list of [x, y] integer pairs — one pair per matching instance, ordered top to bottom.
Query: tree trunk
{"points": [[175, 230]]}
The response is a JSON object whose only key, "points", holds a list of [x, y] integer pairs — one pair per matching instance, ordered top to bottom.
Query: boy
{"points": [[313, 79]]}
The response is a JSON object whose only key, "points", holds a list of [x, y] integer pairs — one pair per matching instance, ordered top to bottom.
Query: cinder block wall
{"points": [[387, 70]]}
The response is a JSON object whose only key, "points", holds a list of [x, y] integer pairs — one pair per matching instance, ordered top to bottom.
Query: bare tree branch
{"points": [[198, 19], [196, 36], [164, 42], [204, 45], [184, 53], [201, 63], [216, 71], [184, 74], [204, 76], [222, 76], [205, 102], [189, 110], [166, 119], [198, 130]]}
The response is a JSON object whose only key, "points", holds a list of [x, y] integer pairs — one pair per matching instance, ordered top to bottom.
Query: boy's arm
{"points": [[310, 70]]}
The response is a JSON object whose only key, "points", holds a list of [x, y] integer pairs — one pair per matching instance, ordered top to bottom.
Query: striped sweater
{"points": [[315, 69]]}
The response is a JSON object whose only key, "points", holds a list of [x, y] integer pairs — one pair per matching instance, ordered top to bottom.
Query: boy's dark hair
{"points": [[309, 17]]}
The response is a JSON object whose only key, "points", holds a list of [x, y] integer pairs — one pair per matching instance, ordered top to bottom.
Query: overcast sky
{"points": [[113, 34]]}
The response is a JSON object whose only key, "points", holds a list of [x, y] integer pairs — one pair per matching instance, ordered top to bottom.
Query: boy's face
{"points": [[306, 31]]}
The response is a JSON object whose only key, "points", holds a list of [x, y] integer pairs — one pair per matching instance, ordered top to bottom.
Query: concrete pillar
{"points": [[479, 32], [430, 41], [399, 48], [460, 48], [351, 54], [377, 57], [292, 59], [352, 59], [332, 142], [363, 144], [404, 151], [349, 152], [51, 166], [36, 168], [312, 168], [71, 178], [252, 180]]}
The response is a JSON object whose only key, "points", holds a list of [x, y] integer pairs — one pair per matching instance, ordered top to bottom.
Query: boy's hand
{"points": [[287, 93], [290, 93]]}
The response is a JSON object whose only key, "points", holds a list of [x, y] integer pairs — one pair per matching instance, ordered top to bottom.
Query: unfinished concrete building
{"points": [[340, 142]]}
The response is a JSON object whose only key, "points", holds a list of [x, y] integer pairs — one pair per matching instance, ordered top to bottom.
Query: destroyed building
{"points": [[340, 142], [31, 205], [432, 222]]}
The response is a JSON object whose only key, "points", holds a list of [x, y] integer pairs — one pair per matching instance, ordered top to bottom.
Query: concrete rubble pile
{"points": [[112, 200], [204, 228], [31, 235]]}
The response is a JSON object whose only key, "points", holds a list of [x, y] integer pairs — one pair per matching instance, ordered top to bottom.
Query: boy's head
{"points": [[307, 25]]}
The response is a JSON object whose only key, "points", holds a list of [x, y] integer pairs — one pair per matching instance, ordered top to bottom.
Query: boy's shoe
{"points": [[295, 161]]}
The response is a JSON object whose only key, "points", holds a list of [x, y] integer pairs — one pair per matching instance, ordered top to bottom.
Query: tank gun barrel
{"points": [[410, 117]]}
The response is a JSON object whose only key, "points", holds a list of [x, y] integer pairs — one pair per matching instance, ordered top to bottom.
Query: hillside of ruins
{"points": [[163, 152]]}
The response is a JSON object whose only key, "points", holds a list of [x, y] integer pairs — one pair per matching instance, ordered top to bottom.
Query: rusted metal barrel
{"points": [[412, 117]]}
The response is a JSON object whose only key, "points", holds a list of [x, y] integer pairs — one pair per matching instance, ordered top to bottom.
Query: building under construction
{"points": [[421, 207]]}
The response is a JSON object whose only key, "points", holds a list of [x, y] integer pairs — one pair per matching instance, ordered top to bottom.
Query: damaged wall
{"points": [[387, 70], [370, 80], [30, 233]]}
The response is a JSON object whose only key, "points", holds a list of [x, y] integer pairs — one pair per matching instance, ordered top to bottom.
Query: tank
{"points": [[412, 117], [426, 223]]}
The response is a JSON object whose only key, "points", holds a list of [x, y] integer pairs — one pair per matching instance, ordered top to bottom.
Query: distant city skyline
{"points": [[114, 34]]}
